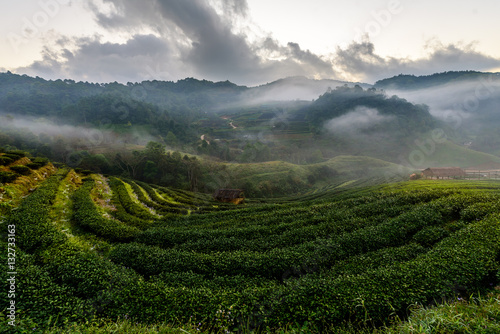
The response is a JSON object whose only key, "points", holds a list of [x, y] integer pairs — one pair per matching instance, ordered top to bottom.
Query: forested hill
{"points": [[410, 82], [189, 92], [184, 95], [342, 100], [225, 121], [368, 122]]}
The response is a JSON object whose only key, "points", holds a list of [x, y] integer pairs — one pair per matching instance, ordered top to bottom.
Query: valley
{"points": [[109, 202]]}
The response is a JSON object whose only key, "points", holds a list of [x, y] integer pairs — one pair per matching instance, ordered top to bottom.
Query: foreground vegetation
{"points": [[131, 257], [477, 315]]}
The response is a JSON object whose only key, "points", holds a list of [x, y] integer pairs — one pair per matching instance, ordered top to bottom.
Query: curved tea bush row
{"points": [[121, 195], [154, 195], [185, 198], [184, 201], [160, 208], [334, 208], [122, 215], [269, 215], [87, 216], [423, 224], [288, 227], [34, 230], [254, 238], [321, 252], [355, 256], [463, 261], [460, 263], [359, 264], [64, 284], [37, 295]]}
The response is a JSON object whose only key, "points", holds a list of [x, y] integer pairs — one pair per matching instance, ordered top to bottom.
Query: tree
{"points": [[171, 139], [154, 151], [129, 162], [193, 169], [150, 171]]}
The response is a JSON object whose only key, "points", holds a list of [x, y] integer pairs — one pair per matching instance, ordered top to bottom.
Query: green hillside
{"points": [[407, 82], [451, 154], [278, 178], [93, 250]]}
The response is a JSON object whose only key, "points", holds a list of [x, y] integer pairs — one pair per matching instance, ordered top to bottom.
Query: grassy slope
{"points": [[450, 154], [346, 168]]}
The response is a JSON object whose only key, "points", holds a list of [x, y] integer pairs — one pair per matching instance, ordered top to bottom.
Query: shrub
{"points": [[18, 153], [13, 157], [41, 160], [4, 161], [38, 163], [33, 166], [21, 169], [86, 172], [7, 177], [430, 235]]}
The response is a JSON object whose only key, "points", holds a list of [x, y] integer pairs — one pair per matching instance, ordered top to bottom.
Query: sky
{"points": [[248, 42]]}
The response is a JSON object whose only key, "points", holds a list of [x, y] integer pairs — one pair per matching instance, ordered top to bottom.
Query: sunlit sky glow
{"points": [[248, 42]]}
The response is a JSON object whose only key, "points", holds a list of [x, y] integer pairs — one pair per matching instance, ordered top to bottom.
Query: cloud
{"points": [[235, 7], [174, 39], [216, 40], [93, 60], [360, 61], [459, 103], [356, 121], [85, 138]]}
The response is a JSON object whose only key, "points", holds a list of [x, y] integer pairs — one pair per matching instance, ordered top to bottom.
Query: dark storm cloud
{"points": [[125, 14], [186, 38], [203, 39], [215, 48]]}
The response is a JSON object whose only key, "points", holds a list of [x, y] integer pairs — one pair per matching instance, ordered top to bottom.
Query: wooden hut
{"points": [[444, 172], [234, 196]]}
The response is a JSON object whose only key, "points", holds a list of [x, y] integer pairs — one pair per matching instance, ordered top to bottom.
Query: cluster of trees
{"points": [[342, 100], [162, 106], [155, 165]]}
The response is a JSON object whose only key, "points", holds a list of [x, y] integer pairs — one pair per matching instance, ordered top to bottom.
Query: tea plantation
{"points": [[89, 247]]}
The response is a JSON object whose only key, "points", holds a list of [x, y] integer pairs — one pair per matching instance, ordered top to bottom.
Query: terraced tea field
{"points": [[91, 247]]}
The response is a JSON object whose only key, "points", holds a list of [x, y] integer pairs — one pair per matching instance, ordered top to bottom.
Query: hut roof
{"points": [[444, 171], [228, 193]]}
